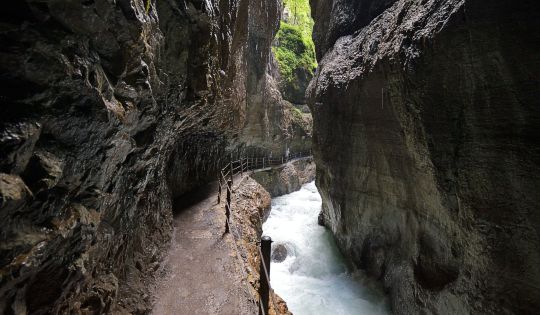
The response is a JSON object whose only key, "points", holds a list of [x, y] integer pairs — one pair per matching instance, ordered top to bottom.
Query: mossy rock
{"points": [[295, 51]]}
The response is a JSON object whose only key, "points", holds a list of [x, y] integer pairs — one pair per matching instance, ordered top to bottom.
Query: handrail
{"points": [[270, 159], [226, 176], [268, 281]]}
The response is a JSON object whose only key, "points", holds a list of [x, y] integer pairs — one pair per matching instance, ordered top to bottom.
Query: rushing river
{"points": [[314, 279]]}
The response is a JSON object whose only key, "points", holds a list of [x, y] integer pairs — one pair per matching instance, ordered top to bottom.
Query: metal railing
{"points": [[251, 163], [226, 176]]}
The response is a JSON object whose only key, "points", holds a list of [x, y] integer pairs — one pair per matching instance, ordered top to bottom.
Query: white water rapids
{"points": [[314, 279]]}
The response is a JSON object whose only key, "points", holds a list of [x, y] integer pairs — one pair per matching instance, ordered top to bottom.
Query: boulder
{"points": [[279, 252]]}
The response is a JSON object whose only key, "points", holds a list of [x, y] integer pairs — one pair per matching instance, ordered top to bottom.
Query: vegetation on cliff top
{"points": [[294, 48]]}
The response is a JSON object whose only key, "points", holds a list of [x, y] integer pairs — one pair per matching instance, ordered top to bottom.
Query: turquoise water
{"points": [[314, 279]]}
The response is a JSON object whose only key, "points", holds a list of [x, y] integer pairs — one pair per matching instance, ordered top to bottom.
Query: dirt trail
{"points": [[203, 274]]}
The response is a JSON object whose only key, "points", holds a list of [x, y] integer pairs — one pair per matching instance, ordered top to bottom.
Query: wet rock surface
{"points": [[337, 18], [295, 92], [110, 110], [273, 124], [425, 138], [251, 203], [279, 252]]}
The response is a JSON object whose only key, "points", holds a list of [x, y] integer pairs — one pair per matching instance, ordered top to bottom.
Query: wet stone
{"points": [[279, 253]]}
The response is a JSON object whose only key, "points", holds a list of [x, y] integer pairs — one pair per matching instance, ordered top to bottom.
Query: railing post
{"points": [[241, 167], [231, 169], [219, 189], [229, 190], [228, 206], [227, 214], [264, 290]]}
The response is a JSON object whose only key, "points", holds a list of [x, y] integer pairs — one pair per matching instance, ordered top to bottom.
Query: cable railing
{"points": [[226, 176]]}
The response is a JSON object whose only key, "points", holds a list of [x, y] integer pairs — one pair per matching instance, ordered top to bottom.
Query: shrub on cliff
{"points": [[294, 50]]}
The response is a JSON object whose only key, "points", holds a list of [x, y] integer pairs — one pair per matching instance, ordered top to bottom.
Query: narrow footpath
{"points": [[203, 274]]}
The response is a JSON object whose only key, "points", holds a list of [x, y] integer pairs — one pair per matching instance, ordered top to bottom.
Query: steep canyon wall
{"points": [[110, 109], [426, 118]]}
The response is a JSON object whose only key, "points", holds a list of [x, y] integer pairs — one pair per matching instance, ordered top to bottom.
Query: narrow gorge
{"points": [[143, 144]]}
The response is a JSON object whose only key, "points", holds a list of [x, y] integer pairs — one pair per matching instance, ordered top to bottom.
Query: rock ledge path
{"points": [[203, 274]]}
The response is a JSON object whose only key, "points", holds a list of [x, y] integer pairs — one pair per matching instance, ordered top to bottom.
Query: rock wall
{"points": [[109, 110], [426, 118], [272, 123], [286, 179], [251, 203]]}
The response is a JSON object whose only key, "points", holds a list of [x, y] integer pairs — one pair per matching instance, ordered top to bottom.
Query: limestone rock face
{"points": [[336, 18], [295, 92], [110, 110], [426, 118], [272, 123], [288, 178], [251, 204]]}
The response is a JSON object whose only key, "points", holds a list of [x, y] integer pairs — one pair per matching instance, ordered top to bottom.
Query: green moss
{"points": [[147, 6], [294, 46], [297, 112]]}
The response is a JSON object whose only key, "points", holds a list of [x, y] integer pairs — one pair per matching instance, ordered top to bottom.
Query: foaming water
{"points": [[314, 279]]}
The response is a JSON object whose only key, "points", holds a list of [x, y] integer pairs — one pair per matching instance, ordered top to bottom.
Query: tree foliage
{"points": [[294, 48]]}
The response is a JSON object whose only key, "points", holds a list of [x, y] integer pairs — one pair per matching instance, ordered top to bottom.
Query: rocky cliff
{"points": [[110, 109], [426, 118], [272, 124], [286, 179], [251, 204]]}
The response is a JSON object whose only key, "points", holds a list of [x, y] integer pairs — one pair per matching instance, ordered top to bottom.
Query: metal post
{"points": [[241, 167], [231, 168], [219, 189], [229, 191], [228, 206], [227, 214], [264, 290]]}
